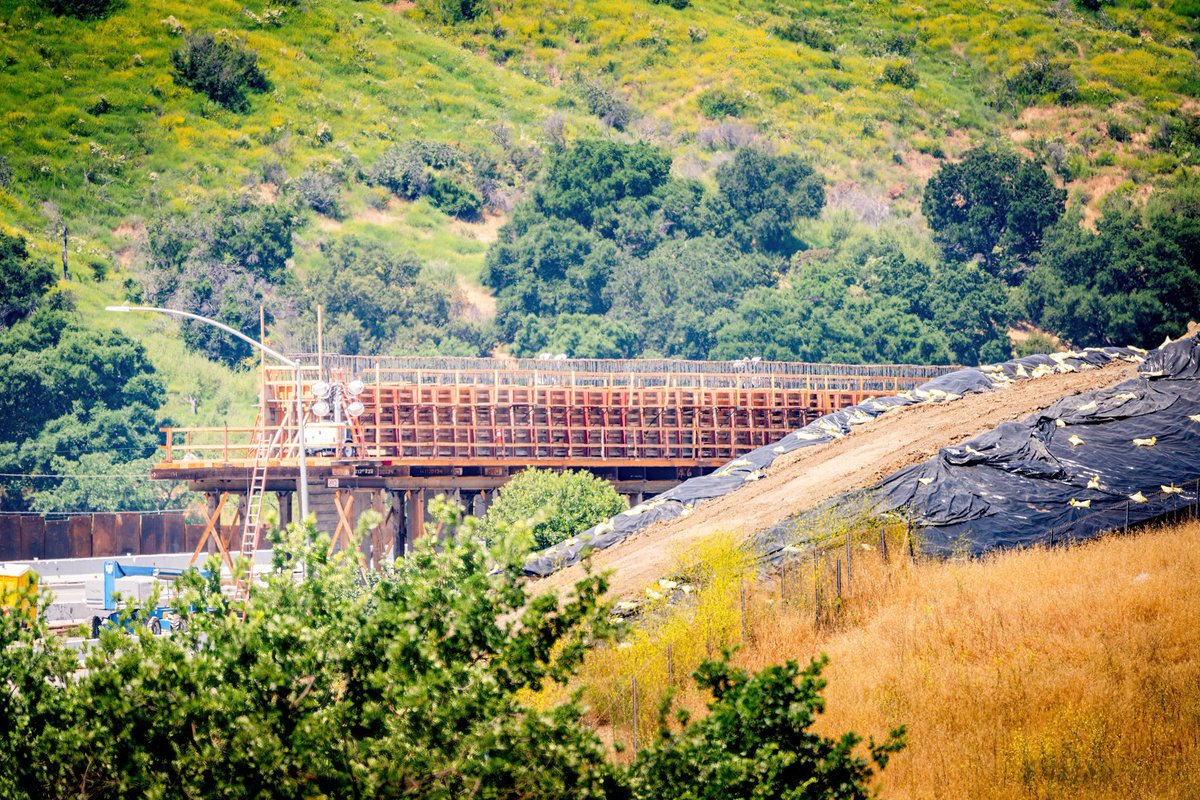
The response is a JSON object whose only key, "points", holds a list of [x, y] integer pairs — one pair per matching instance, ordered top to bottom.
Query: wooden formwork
{"points": [[491, 412]]}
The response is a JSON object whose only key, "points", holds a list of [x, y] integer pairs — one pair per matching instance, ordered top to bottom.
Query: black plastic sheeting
{"points": [[1090, 463], [681, 500]]}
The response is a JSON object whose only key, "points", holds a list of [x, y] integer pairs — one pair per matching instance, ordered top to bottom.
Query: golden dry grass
{"points": [[1042, 673]]}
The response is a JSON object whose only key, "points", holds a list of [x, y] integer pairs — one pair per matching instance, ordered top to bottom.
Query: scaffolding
{"points": [[558, 413]]}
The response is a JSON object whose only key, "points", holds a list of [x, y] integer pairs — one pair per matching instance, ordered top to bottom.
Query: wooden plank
{"points": [[127, 531], [193, 532], [174, 533], [33, 536], [81, 536], [10, 537], [58, 538], [152, 541], [104, 543]]}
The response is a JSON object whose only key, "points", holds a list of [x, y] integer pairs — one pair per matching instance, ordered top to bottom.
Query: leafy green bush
{"points": [[675, 4], [83, 9], [450, 12], [806, 33], [219, 67], [900, 73], [1043, 76], [607, 103], [721, 103], [1119, 131], [403, 170], [320, 190], [454, 198], [23, 280], [562, 504], [335, 686], [756, 742]]}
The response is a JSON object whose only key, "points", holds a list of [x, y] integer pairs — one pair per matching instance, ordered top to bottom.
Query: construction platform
{"points": [[397, 428]]}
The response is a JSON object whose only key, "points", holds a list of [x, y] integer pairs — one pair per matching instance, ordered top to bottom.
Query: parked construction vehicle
{"points": [[145, 578]]}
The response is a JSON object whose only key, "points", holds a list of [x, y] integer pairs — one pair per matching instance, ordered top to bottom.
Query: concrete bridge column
{"points": [[285, 508]]}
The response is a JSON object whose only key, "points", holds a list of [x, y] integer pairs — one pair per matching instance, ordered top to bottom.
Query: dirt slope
{"points": [[809, 476]]}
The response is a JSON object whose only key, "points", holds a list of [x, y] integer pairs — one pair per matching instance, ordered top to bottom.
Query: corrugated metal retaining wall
{"points": [[24, 537]]}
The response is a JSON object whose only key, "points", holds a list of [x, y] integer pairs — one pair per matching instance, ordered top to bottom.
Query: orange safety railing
{"points": [[490, 410]]}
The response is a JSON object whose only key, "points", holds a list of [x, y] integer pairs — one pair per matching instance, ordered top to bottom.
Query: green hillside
{"points": [[418, 169]]}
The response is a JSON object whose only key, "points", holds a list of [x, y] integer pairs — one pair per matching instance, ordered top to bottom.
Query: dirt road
{"points": [[809, 476]]}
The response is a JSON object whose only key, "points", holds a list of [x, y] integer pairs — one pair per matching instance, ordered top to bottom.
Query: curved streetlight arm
{"points": [[177, 313], [295, 365]]}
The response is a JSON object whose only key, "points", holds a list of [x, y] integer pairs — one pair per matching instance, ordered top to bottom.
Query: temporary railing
{"points": [[629, 372], [463, 410]]}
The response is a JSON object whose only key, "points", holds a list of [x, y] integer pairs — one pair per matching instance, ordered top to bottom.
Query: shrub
{"points": [[678, 5], [83, 9], [450, 12], [807, 34], [221, 68], [900, 73], [1043, 76], [720, 103], [608, 104], [1118, 131], [403, 170], [319, 191], [454, 198], [24, 280], [562, 503], [335, 686], [755, 742]]}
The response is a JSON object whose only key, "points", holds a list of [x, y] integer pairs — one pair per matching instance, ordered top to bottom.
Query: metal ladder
{"points": [[252, 527]]}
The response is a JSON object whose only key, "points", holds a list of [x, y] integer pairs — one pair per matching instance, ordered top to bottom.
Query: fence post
{"points": [[883, 546], [849, 565], [839, 580], [782, 585], [816, 593], [742, 594], [670, 665], [635, 715]]}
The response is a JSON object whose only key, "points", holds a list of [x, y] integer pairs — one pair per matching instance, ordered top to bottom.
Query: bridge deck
{"points": [[496, 413]]}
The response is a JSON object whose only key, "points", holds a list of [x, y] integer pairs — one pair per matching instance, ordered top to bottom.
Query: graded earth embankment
{"points": [[803, 479]]}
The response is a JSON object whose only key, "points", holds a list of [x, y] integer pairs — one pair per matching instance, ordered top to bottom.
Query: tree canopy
{"points": [[768, 194], [992, 204], [1136, 279], [71, 394], [561, 504], [338, 687]]}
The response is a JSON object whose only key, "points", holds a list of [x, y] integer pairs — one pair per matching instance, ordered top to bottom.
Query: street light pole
{"points": [[295, 365]]}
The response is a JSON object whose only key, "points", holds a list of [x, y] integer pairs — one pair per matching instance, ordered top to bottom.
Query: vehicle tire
{"points": [[155, 626], [95, 627]]}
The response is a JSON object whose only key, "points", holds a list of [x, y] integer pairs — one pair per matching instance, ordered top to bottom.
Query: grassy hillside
{"points": [[878, 91], [97, 133], [1042, 673]]}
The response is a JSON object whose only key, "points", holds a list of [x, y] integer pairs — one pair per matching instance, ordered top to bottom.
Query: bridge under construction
{"points": [[387, 433]]}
